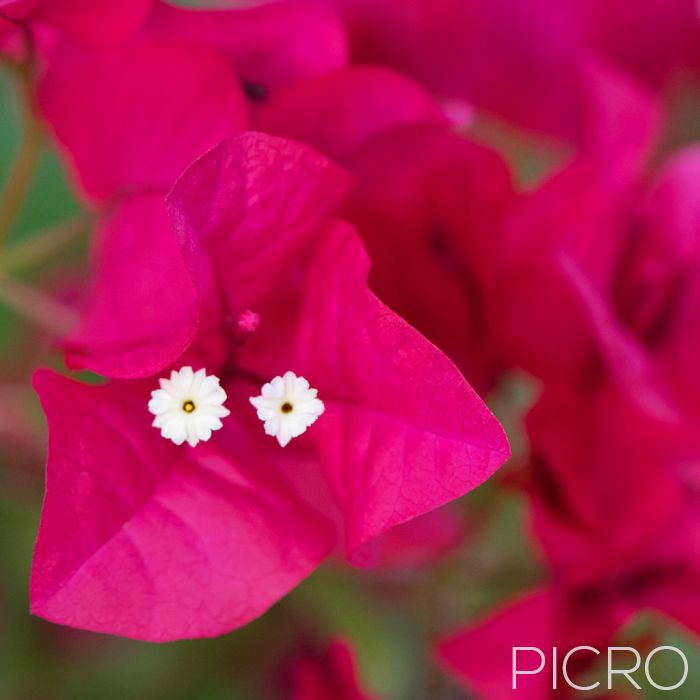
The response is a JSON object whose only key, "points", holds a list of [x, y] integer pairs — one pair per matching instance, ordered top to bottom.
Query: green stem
{"points": [[12, 64], [23, 168], [20, 178], [42, 245], [20, 297], [37, 306]]}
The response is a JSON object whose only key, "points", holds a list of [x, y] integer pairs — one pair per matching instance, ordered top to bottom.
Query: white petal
{"points": [[292, 390], [178, 425]]}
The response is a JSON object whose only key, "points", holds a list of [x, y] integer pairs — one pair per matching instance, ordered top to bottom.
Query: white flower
{"points": [[188, 406], [288, 406]]}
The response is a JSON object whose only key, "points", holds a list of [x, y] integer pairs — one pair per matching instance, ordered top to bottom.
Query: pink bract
{"points": [[93, 22], [270, 45], [533, 63], [147, 110], [342, 111], [428, 203], [372, 367], [403, 432], [142, 539], [480, 655], [329, 676]]}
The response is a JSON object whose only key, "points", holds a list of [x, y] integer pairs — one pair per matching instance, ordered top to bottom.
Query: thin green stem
{"points": [[12, 64], [23, 168], [20, 178], [42, 245], [18, 296], [37, 306]]}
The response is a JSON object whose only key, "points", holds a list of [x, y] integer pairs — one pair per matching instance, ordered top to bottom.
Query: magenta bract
{"points": [[403, 432]]}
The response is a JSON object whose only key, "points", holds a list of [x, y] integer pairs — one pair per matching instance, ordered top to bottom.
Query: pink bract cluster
{"points": [[302, 186]]}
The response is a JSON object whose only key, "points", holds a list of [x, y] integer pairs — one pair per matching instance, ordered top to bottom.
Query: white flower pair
{"points": [[189, 406]]}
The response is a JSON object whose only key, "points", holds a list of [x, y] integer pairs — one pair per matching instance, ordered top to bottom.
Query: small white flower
{"points": [[188, 406], [288, 406]]}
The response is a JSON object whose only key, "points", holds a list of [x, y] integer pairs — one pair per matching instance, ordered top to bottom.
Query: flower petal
{"points": [[146, 110], [249, 207], [144, 309], [403, 432], [144, 539]]}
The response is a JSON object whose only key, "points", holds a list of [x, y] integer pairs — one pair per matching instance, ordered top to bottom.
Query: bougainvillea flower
{"points": [[94, 22], [655, 40], [271, 45], [486, 56], [530, 63], [147, 110], [342, 111], [422, 194], [436, 201], [579, 213], [479, 274], [267, 284], [655, 296], [639, 307], [402, 432], [616, 450], [603, 487], [614, 494], [614, 506], [142, 538], [659, 574], [601, 579], [472, 655], [480, 655], [330, 676]]}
